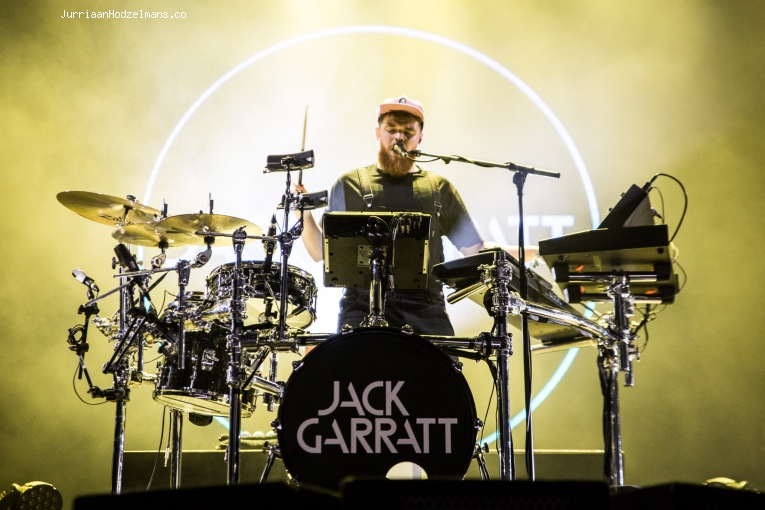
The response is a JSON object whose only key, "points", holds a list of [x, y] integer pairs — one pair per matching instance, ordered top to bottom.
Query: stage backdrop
{"points": [[183, 107]]}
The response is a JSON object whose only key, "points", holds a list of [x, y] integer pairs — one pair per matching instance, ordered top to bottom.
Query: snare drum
{"points": [[259, 288], [201, 387], [363, 402]]}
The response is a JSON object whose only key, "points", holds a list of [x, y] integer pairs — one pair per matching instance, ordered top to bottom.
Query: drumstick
{"points": [[302, 144]]}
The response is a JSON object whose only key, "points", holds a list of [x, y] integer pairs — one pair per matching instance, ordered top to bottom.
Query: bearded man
{"points": [[395, 184]]}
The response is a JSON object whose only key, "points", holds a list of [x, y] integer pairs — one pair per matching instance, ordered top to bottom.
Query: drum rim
{"points": [[290, 267]]}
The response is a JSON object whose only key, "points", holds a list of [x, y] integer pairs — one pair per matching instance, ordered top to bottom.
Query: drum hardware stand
{"points": [[379, 269], [498, 276], [129, 334], [616, 354], [614, 357], [117, 366], [235, 370], [176, 434], [273, 453], [478, 455]]}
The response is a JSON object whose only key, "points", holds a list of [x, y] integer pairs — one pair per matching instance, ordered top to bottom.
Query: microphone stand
{"points": [[521, 172]]}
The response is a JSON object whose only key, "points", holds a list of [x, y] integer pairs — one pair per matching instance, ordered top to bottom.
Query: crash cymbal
{"points": [[106, 209], [183, 228], [145, 234]]}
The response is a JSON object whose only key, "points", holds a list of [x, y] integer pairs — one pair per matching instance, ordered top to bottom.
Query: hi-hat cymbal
{"points": [[106, 209], [184, 227], [145, 234]]}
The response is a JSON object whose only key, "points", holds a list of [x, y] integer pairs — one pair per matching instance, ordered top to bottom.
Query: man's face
{"points": [[388, 133]]}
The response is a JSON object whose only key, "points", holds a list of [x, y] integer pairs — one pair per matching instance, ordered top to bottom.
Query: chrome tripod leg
{"points": [[176, 432], [273, 453], [481, 460]]}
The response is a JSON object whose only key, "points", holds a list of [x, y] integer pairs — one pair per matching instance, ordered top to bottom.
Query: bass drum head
{"points": [[366, 401]]}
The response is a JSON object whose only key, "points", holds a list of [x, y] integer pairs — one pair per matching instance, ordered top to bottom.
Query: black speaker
{"points": [[208, 468], [368, 494], [265, 495], [680, 496]]}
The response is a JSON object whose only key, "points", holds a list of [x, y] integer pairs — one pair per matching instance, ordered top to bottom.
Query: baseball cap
{"points": [[402, 103]]}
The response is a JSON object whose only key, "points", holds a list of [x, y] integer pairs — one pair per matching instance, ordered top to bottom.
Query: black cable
{"points": [[685, 205], [493, 372], [74, 386], [159, 448]]}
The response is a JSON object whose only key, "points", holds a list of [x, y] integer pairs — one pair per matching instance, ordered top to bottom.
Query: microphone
{"points": [[399, 149], [270, 244], [127, 260], [85, 279]]}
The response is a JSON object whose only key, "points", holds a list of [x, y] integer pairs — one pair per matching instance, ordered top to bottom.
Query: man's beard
{"points": [[393, 164]]}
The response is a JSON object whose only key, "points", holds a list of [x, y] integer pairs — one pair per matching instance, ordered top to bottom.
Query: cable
{"points": [[685, 205], [74, 387], [159, 448]]}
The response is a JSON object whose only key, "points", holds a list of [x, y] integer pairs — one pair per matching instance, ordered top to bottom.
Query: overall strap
{"points": [[366, 187], [434, 191]]}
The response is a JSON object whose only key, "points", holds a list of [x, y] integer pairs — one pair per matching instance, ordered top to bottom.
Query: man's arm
{"points": [[312, 236]]}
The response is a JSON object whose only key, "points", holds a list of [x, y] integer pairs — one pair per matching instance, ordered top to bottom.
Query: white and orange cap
{"points": [[402, 103]]}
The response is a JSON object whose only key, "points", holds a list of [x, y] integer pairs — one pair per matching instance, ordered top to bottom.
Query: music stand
{"points": [[352, 238]]}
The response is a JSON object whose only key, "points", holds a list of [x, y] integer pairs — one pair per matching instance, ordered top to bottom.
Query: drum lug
{"points": [[347, 328], [407, 329], [208, 360], [297, 365], [457, 366], [276, 424], [478, 425]]}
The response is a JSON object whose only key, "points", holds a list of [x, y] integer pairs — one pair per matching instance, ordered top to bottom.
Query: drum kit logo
{"points": [[384, 429]]}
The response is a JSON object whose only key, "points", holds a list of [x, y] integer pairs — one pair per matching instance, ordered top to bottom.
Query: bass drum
{"points": [[363, 402]]}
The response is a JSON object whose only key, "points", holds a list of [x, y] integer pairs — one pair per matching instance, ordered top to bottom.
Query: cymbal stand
{"points": [[287, 239], [498, 276], [118, 365], [235, 371], [120, 391], [176, 415]]}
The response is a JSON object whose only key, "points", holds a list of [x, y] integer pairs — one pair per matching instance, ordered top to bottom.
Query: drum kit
{"points": [[381, 396], [361, 402]]}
